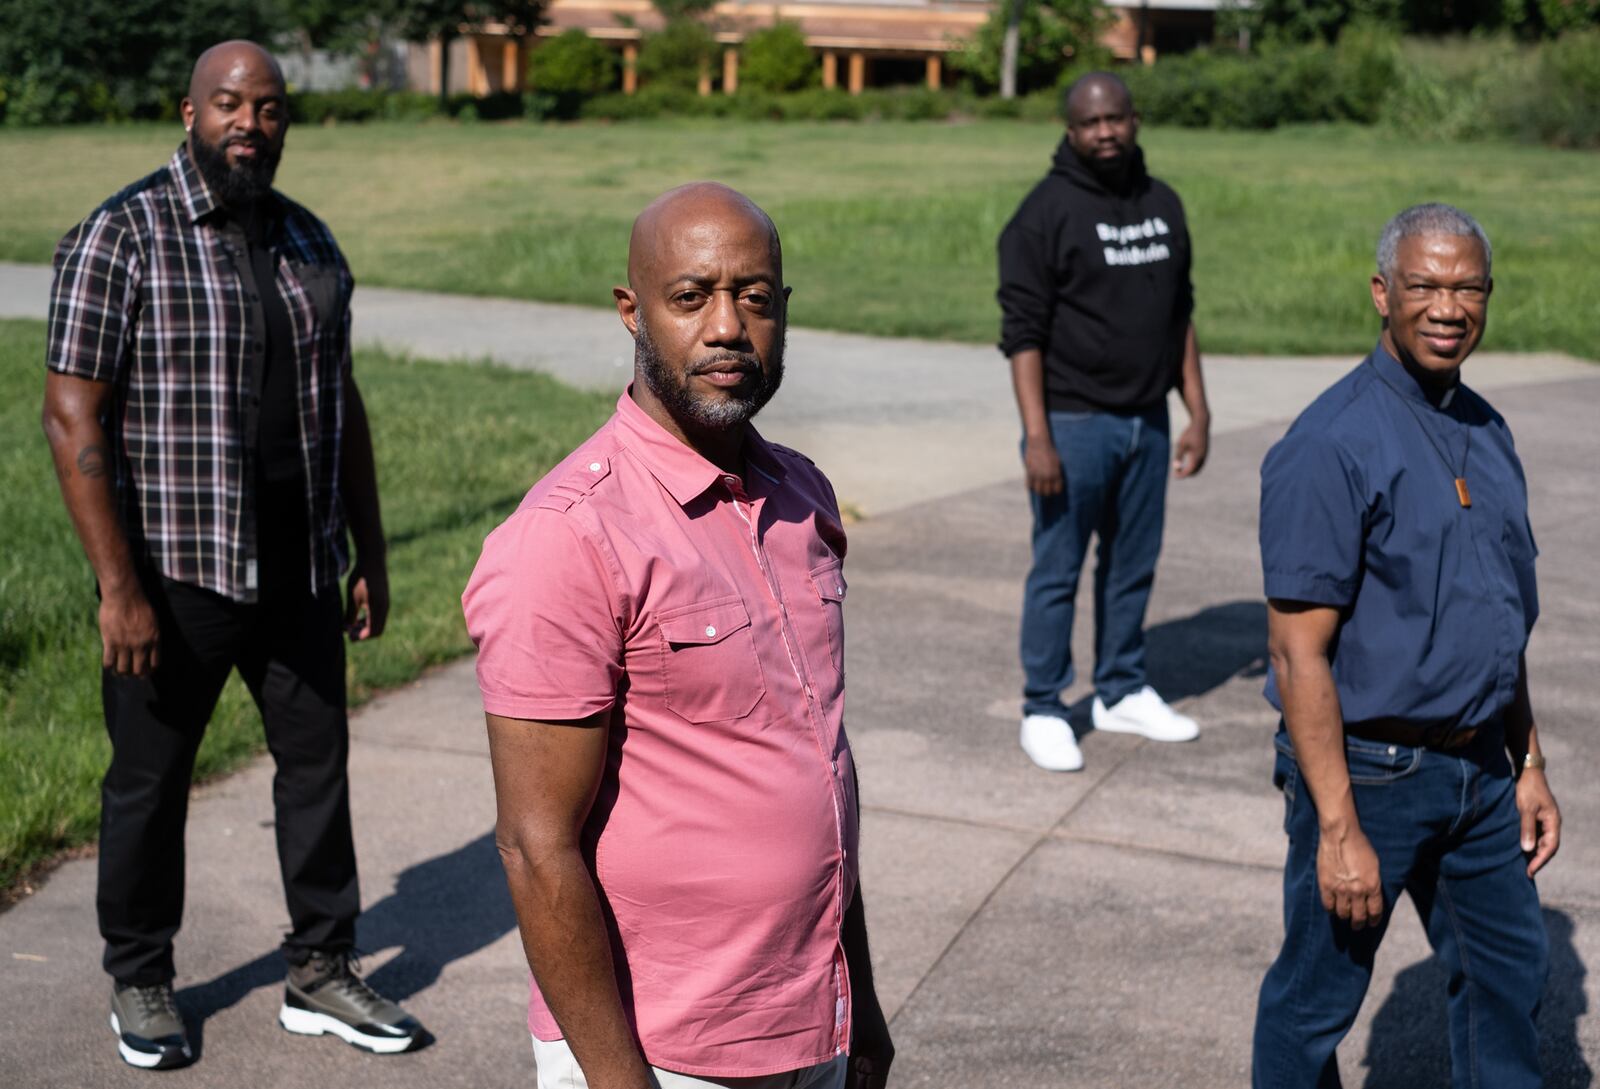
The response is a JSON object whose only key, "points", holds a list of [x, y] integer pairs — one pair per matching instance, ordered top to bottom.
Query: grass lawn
{"points": [[888, 228], [456, 445]]}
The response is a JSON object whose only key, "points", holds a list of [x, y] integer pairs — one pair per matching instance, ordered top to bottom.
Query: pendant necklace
{"points": [[1463, 496]]}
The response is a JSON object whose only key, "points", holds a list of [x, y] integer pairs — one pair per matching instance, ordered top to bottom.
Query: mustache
{"points": [[745, 360]]}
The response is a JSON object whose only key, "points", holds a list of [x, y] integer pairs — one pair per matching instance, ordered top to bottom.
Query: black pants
{"points": [[289, 649]]}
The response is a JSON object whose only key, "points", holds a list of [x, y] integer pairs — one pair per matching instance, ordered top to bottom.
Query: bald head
{"points": [[232, 62], [1087, 92], [236, 114], [1102, 128], [704, 212], [707, 309]]}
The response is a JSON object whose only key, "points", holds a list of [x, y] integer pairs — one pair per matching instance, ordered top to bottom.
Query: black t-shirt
{"points": [[278, 455]]}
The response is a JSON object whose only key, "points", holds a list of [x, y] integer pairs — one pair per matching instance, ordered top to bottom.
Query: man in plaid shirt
{"points": [[210, 444]]}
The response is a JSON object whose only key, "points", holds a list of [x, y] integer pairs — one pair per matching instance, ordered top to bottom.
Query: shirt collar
{"points": [[192, 187], [1402, 381], [679, 467]]}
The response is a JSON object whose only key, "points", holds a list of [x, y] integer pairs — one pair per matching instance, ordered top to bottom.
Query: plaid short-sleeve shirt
{"points": [[152, 294]]}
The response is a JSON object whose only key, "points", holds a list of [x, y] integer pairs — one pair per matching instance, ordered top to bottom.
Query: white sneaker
{"points": [[1146, 714], [1050, 743]]}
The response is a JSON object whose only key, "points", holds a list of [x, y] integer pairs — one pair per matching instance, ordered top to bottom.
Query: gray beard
{"points": [[714, 412]]}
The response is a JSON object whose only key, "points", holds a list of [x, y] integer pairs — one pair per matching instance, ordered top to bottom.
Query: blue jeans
{"points": [[1115, 469], [1446, 830]]}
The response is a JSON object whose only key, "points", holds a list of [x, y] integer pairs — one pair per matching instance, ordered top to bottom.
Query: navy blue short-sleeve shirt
{"points": [[1359, 511]]}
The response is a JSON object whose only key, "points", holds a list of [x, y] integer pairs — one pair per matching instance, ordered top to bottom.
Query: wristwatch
{"points": [[1532, 760]]}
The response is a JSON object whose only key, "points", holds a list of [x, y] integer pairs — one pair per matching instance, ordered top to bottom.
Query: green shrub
{"points": [[1561, 16], [1052, 35], [675, 56], [777, 59], [110, 60], [572, 63], [1284, 83], [1459, 89], [652, 102], [822, 104], [908, 104], [410, 106], [322, 107], [1563, 107]]}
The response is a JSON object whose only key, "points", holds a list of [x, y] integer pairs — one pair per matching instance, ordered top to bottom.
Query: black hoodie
{"points": [[1098, 279]]}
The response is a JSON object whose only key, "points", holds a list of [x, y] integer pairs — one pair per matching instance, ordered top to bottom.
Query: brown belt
{"points": [[1393, 732]]}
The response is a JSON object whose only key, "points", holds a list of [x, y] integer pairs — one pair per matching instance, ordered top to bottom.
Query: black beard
{"points": [[1112, 171], [235, 186], [704, 413]]}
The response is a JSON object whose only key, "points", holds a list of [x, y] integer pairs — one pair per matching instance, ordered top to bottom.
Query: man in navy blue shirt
{"points": [[1399, 569]]}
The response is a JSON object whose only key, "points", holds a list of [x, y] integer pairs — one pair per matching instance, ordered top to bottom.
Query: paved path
{"points": [[1106, 929]]}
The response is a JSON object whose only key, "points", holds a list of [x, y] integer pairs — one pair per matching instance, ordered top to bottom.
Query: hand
{"points": [[1189, 455], [1043, 466], [367, 601], [129, 635], [1541, 820], [1348, 877], [871, 1055]]}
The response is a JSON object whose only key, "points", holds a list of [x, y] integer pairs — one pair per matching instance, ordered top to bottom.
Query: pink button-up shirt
{"points": [[706, 613]]}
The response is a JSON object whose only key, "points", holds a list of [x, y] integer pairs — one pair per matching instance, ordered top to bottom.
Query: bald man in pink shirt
{"points": [[660, 632]]}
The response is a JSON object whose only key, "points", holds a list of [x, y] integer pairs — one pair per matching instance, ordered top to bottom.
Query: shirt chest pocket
{"points": [[320, 286], [828, 582], [709, 664]]}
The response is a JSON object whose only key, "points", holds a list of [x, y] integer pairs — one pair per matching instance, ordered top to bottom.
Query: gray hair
{"points": [[1426, 219]]}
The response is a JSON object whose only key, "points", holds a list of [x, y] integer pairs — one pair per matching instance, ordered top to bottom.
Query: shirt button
{"points": [[594, 466], [710, 631]]}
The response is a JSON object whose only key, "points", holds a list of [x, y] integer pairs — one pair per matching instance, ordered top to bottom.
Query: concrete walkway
{"points": [[1104, 929]]}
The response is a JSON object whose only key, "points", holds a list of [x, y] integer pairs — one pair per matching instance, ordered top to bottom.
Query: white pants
{"points": [[558, 1069]]}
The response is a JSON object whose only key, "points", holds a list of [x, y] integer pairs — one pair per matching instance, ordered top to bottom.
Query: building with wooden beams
{"points": [[858, 44]]}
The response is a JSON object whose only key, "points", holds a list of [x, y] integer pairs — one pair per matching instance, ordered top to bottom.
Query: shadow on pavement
{"points": [[1192, 656], [441, 910], [1410, 1041]]}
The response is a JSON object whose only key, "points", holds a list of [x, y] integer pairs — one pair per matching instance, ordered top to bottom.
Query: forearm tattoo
{"points": [[93, 461]]}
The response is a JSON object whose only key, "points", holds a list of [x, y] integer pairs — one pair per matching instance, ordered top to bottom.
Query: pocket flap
{"points": [[829, 581], [702, 625]]}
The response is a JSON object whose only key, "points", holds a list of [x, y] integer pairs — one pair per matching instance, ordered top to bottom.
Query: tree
{"points": [[420, 20], [1050, 35], [677, 55], [777, 59], [111, 60], [573, 63]]}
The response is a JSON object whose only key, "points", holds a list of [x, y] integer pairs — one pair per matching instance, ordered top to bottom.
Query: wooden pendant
{"points": [[1462, 493]]}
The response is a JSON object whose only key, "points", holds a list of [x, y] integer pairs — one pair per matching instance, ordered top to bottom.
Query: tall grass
{"points": [[456, 446]]}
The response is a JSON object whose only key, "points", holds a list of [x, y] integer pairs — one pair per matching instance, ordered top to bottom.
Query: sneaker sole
{"points": [[1118, 728], [1049, 765], [312, 1023], [144, 1060]]}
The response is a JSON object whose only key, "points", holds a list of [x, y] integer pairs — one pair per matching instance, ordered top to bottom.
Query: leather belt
{"points": [[1387, 731]]}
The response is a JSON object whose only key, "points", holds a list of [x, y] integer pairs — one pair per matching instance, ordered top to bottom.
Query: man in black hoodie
{"points": [[1095, 291]]}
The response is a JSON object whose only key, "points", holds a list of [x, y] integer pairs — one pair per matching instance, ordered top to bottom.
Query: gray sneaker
{"points": [[325, 995], [149, 1028]]}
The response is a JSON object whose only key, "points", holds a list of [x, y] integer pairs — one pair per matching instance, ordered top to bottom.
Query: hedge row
{"points": [[1474, 89], [1459, 90], [902, 104]]}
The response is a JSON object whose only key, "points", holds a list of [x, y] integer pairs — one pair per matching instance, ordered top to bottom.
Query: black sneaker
{"points": [[325, 995], [149, 1028]]}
